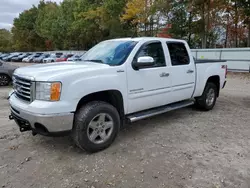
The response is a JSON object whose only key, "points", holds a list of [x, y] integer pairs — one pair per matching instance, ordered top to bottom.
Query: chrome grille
{"points": [[22, 88]]}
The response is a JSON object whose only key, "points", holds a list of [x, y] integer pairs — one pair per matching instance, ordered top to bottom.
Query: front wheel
{"points": [[4, 80], [208, 99], [96, 126]]}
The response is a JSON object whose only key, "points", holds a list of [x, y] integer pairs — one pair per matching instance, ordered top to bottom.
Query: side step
{"points": [[160, 110]]}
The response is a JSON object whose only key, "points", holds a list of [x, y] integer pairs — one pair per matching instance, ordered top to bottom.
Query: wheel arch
{"points": [[215, 80], [113, 97]]}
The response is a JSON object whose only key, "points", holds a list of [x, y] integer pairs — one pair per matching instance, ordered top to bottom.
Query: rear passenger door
{"points": [[182, 71]]}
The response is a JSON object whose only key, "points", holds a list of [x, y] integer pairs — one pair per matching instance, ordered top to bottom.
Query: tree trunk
{"points": [[208, 21], [236, 24], [189, 27], [227, 28], [248, 41], [203, 42]]}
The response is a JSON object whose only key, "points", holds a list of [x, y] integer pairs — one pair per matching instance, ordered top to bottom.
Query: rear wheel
{"points": [[4, 80], [208, 99], [96, 126]]}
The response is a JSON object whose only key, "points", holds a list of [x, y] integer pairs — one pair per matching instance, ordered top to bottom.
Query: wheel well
{"points": [[215, 80], [113, 97]]}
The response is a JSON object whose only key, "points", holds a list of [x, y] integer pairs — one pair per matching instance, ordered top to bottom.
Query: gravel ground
{"points": [[183, 148]]}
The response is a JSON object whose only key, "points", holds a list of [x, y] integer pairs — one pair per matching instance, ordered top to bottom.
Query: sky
{"points": [[9, 9]]}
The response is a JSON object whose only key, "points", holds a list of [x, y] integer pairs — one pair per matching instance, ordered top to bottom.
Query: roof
{"points": [[147, 39]]}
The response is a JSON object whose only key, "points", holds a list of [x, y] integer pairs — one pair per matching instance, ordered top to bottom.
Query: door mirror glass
{"points": [[143, 62]]}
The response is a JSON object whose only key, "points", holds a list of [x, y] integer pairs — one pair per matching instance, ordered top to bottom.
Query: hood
{"points": [[50, 71]]}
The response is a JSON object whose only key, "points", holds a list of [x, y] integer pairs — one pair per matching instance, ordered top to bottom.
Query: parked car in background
{"points": [[4, 55], [36, 55], [20, 57], [76, 57], [8, 58], [41, 58], [52, 58], [64, 58], [26, 59], [6, 72]]}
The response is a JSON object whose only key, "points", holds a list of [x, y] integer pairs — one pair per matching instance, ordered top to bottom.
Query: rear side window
{"points": [[155, 51], [178, 53]]}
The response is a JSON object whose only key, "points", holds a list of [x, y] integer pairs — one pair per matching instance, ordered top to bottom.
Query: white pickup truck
{"points": [[118, 80]]}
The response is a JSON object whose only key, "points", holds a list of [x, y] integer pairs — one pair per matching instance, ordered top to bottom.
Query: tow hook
{"points": [[11, 117], [34, 133]]}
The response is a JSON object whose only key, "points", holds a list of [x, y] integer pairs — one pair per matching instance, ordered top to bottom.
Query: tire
{"points": [[4, 80], [208, 99], [88, 118]]}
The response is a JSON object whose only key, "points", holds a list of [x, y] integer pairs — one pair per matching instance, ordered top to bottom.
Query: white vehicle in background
{"points": [[52, 58], [27, 59], [120, 80]]}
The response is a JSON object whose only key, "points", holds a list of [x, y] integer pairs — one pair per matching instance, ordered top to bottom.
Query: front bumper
{"points": [[44, 124]]}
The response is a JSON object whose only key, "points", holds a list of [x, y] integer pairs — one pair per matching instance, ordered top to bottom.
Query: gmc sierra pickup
{"points": [[117, 80]]}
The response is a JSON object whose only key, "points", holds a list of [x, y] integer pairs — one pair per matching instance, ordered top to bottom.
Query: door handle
{"points": [[190, 71], [164, 74]]}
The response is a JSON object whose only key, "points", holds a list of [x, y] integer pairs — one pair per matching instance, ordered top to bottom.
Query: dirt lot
{"points": [[184, 148]]}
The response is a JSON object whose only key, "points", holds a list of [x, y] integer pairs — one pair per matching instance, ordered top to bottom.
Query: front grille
{"points": [[22, 88]]}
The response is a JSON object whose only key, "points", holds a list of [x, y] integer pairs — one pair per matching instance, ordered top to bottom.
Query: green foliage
{"points": [[80, 24], [25, 37], [5, 40]]}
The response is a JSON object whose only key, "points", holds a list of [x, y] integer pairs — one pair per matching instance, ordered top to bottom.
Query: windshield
{"points": [[110, 52]]}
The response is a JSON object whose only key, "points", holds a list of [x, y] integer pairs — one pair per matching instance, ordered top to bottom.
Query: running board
{"points": [[160, 110]]}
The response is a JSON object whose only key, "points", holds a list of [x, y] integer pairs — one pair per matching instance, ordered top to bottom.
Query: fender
{"points": [[204, 72], [96, 81]]}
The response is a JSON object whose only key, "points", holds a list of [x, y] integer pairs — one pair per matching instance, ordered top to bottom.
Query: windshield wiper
{"points": [[95, 60]]}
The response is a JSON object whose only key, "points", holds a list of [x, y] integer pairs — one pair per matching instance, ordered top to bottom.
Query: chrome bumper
{"points": [[52, 123]]}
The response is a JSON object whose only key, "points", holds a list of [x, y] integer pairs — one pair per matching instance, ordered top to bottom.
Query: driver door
{"points": [[149, 87]]}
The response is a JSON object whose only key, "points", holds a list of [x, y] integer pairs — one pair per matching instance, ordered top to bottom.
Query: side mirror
{"points": [[143, 62]]}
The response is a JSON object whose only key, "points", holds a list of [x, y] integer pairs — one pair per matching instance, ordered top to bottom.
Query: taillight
{"points": [[224, 67]]}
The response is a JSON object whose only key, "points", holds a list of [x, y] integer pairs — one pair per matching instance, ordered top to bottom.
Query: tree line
{"points": [[80, 24]]}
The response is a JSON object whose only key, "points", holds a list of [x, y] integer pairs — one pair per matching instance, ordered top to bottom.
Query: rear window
{"points": [[178, 53]]}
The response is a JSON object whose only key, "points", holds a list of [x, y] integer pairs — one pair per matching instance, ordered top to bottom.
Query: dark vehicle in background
{"points": [[15, 57], [20, 57], [8, 58], [40, 58], [64, 58], [6, 72]]}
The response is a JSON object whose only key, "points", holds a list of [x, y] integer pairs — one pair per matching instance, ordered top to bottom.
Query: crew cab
{"points": [[117, 81]]}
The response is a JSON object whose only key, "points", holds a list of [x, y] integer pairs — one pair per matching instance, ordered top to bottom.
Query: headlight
{"points": [[48, 91]]}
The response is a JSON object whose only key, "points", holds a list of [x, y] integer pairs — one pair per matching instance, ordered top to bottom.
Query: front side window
{"points": [[155, 51], [110, 52], [178, 53]]}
